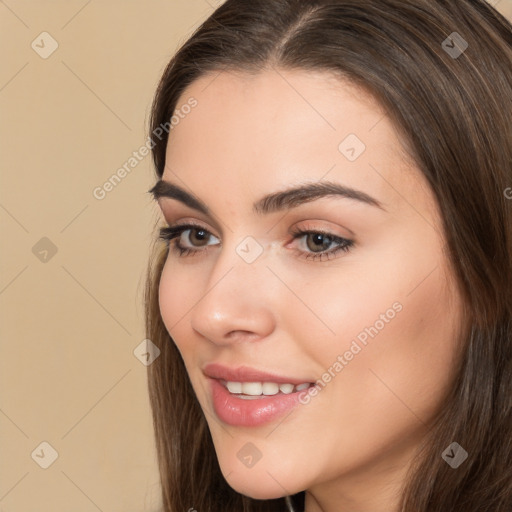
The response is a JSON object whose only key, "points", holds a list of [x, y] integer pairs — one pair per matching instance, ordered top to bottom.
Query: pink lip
{"points": [[247, 374], [241, 412]]}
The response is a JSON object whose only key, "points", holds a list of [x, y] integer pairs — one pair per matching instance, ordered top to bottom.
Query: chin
{"points": [[258, 486], [257, 493]]}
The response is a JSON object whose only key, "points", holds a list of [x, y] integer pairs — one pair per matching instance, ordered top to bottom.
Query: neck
{"points": [[376, 487]]}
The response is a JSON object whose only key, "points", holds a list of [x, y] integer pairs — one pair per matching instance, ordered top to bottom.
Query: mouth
{"points": [[258, 390], [247, 397]]}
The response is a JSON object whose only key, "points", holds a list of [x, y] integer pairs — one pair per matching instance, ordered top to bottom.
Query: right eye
{"points": [[194, 233]]}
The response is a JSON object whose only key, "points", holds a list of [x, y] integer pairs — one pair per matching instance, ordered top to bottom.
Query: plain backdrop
{"points": [[76, 84]]}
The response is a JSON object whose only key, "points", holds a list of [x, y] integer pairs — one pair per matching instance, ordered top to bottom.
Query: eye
{"points": [[197, 236], [319, 242], [319, 245]]}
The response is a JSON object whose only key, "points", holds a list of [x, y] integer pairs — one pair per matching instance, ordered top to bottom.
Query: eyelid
{"points": [[169, 211], [319, 226]]}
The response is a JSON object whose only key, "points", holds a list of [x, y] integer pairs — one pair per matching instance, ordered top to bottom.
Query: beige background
{"points": [[71, 321]]}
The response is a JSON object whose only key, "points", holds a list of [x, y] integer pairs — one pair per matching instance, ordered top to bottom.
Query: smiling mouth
{"points": [[255, 390], [252, 403]]}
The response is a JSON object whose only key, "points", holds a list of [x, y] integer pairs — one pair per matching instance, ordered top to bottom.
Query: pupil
{"points": [[199, 234], [320, 241]]}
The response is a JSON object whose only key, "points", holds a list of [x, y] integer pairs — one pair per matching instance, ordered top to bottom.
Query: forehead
{"points": [[270, 129]]}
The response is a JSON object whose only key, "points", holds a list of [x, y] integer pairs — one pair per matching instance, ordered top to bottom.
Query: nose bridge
{"points": [[236, 297]]}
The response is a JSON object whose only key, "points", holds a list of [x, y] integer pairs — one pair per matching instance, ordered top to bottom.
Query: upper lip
{"points": [[247, 374]]}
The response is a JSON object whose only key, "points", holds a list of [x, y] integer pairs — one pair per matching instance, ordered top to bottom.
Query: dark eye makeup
{"points": [[172, 236]]}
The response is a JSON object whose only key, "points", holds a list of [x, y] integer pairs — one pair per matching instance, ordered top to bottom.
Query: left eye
{"points": [[315, 241], [318, 242]]}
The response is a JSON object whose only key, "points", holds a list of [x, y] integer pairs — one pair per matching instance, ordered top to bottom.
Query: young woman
{"points": [[332, 295]]}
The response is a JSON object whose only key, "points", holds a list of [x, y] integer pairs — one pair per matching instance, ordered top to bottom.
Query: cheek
{"points": [[168, 293], [175, 299], [389, 307], [395, 322], [414, 354], [416, 357], [404, 365]]}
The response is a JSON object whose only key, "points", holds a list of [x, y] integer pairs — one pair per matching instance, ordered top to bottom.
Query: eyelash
{"points": [[168, 234]]}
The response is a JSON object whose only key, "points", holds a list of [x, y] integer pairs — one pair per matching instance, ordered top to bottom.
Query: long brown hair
{"points": [[452, 107]]}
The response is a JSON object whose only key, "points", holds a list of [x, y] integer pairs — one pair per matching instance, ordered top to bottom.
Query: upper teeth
{"points": [[263, 388]]}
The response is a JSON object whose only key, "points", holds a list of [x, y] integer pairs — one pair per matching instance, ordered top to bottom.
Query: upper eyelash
{"points": [[169, 233], [344, 244]]}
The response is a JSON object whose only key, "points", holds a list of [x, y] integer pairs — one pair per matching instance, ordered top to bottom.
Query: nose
{"points": [[237, 304]]}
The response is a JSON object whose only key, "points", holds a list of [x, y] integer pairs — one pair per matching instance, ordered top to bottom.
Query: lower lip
{"points": [[241, 412]]}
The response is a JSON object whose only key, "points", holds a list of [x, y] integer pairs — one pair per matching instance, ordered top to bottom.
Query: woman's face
{"points": [[362, 305]]}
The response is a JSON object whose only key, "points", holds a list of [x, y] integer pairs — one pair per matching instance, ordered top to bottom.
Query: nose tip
{"points": [[235, 307]]}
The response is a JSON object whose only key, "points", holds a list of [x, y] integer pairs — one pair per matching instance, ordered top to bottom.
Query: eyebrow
{"points": [[274, 202]]}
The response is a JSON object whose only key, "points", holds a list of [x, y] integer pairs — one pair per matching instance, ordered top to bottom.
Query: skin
{"points": [[350, 446]]}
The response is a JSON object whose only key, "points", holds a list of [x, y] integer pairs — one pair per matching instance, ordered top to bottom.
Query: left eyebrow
{"points": [[277, 201]]}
